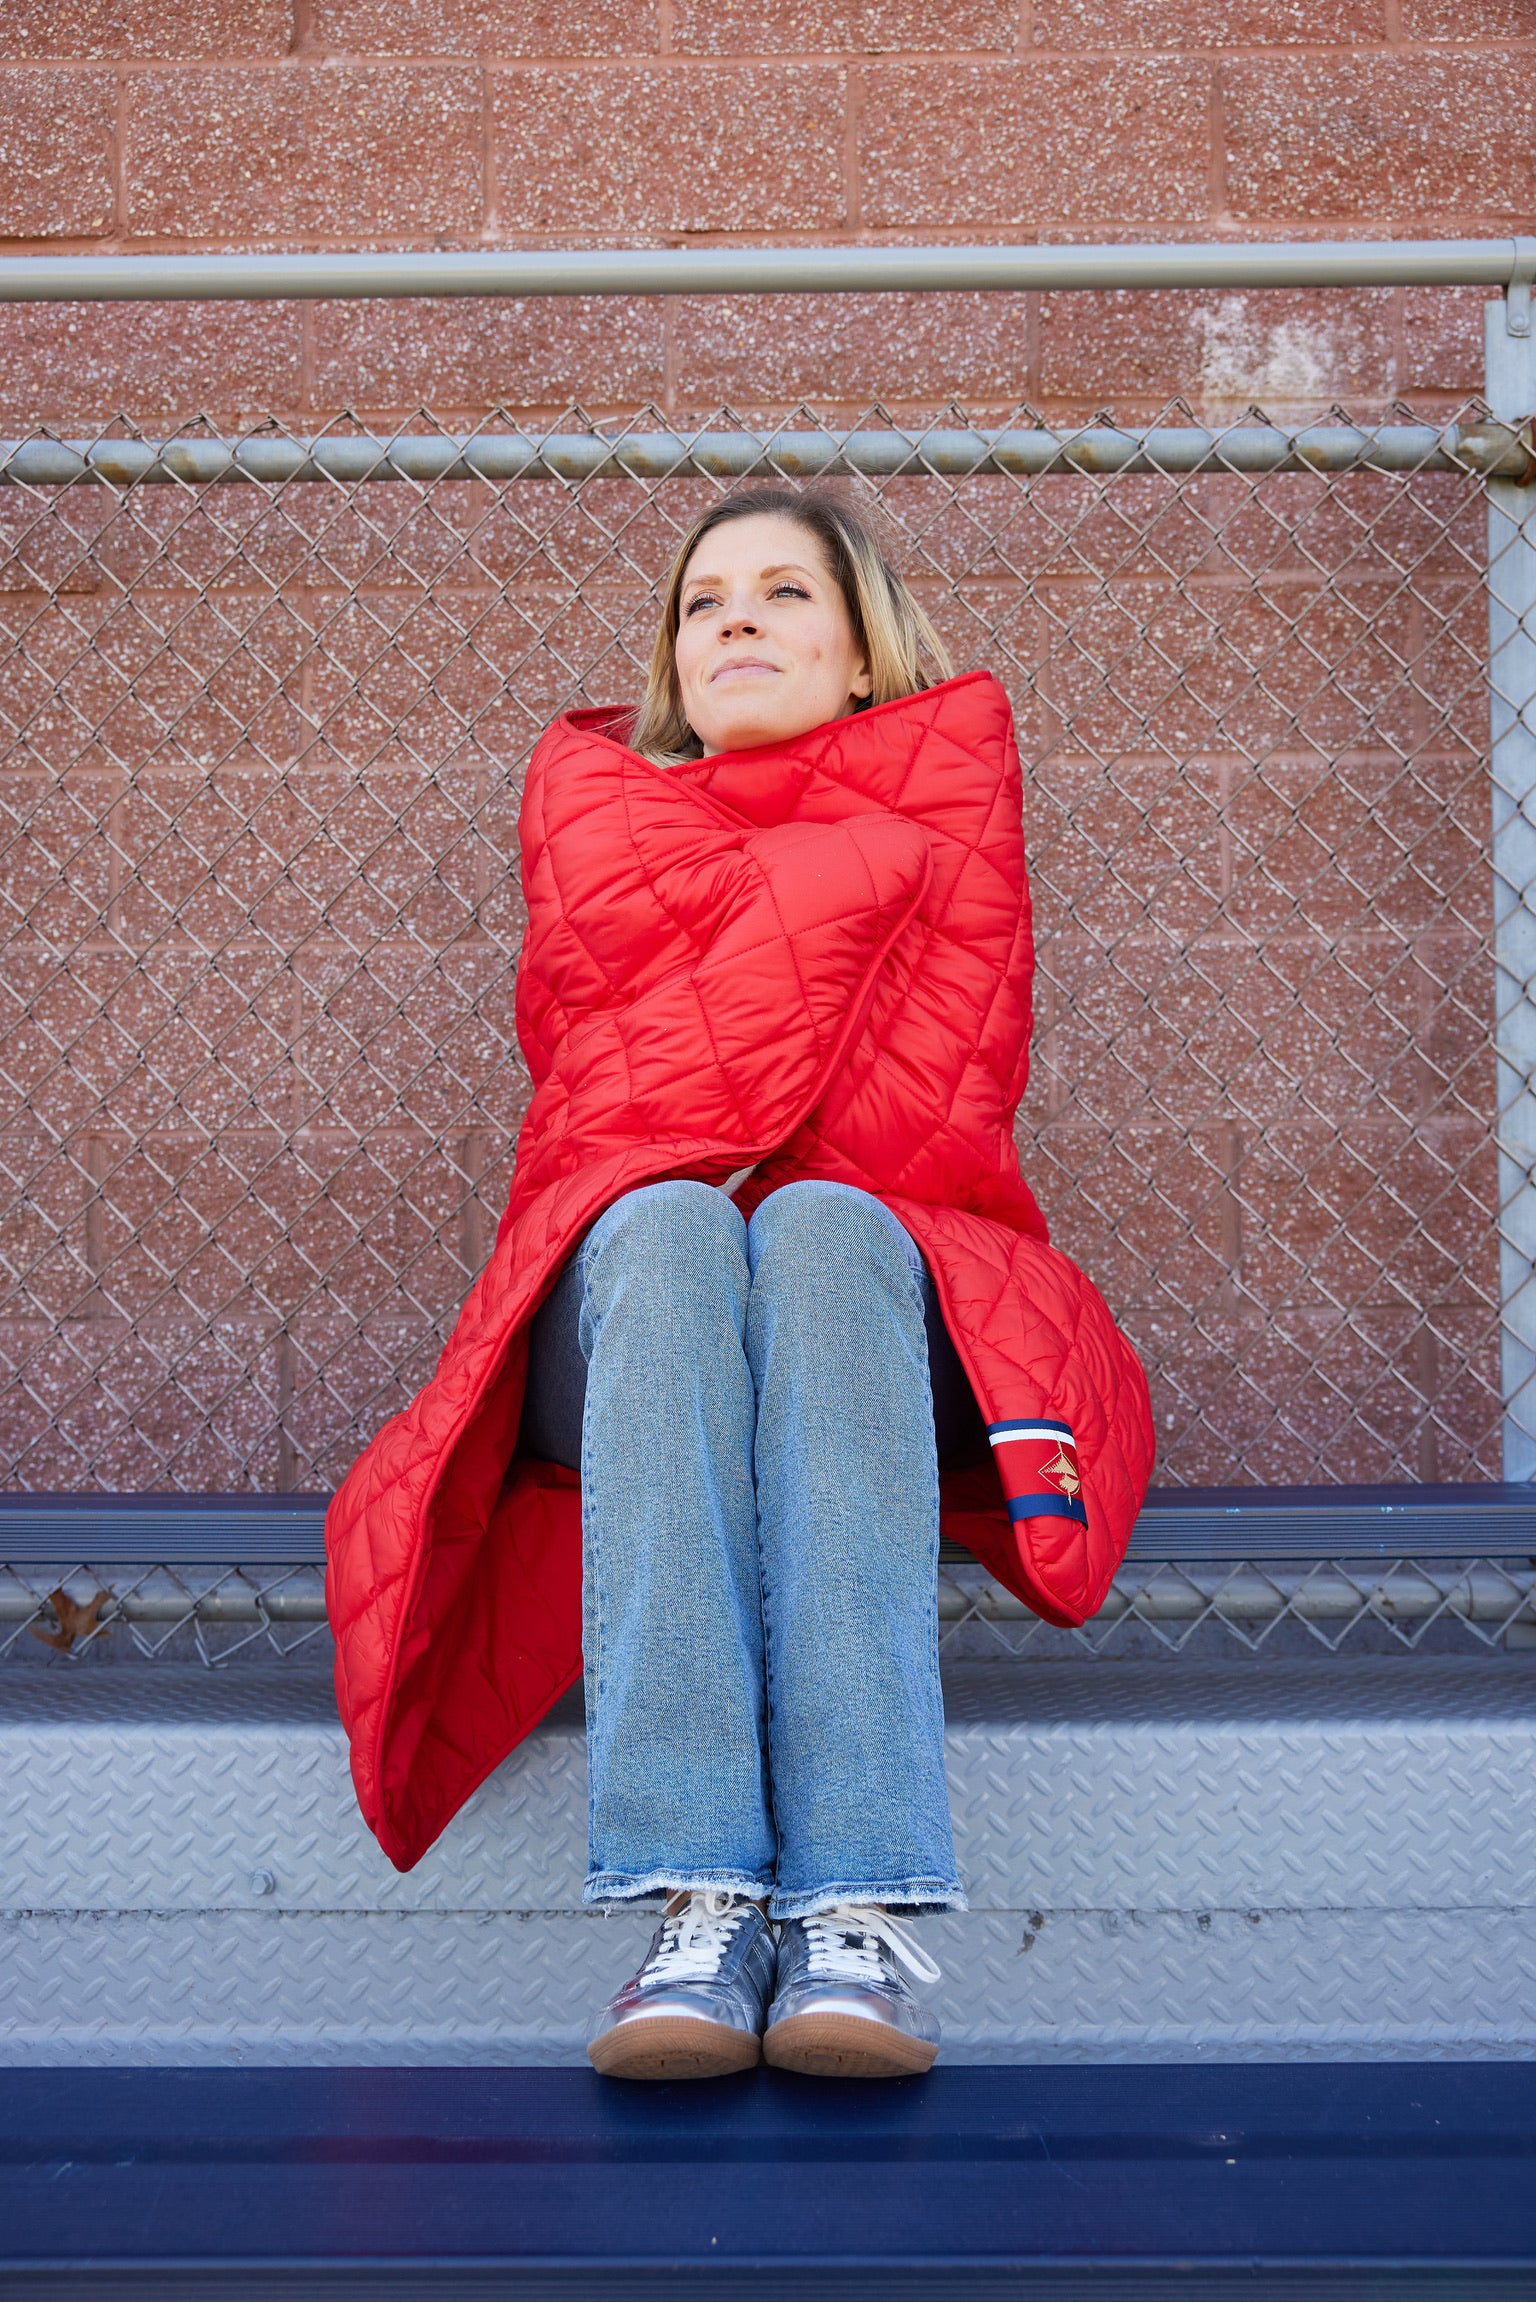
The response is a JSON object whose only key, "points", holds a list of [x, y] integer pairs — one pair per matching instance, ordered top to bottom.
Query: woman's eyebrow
{"points": [[783, 567]]}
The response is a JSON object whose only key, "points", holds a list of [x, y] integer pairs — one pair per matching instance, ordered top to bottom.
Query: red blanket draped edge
{"points": [[817, 958]]}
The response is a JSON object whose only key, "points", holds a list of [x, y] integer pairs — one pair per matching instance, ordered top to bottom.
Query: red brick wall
{"points": [[133, 124], [258, 760]]}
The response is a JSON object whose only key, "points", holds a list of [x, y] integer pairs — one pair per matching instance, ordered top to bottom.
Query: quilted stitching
{"points": [[819, 959]]}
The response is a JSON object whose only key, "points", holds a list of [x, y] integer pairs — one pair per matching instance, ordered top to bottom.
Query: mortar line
{"points": [[1216, 116], [853, 117], [120, 158], [490, 189]]}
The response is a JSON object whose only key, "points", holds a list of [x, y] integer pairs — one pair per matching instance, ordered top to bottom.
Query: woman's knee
{"points": [[666, 1226], [817, 1226]]}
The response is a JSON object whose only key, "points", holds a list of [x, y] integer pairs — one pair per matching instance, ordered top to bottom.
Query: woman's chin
{"points": [[754, 731]]}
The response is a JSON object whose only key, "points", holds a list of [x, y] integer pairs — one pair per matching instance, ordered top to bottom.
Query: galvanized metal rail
{"points": [[1509, 264], [1488, 450], [1253, 1557], [1409, 1591], [1478, 1592]]}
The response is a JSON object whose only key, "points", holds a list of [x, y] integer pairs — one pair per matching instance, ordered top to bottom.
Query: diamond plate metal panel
{"points": [[1305, 1786], [1383, 1786], [195, 1792], [1095, 1985], [240, 1986], [428, 1987]]}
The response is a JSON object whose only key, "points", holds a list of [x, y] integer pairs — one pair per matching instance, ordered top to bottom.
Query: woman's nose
{"points": [[737, 626]]}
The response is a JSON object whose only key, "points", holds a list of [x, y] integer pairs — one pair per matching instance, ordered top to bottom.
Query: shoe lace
{"points": [[695, 1938], [845, 1943]]}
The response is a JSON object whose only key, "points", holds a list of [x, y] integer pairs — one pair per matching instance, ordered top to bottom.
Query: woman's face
{"points": [[765, 645]]}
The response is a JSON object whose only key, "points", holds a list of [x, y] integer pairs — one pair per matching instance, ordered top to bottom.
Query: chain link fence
{"points": [[264, 710], [1158, 1609], [158, 1612]]}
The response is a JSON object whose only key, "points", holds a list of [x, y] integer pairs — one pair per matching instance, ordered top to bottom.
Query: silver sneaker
{"points": [[695, 2009], [841, 2009]]}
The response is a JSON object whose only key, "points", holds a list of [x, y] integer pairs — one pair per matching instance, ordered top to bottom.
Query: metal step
{"points": [[1387, 1522], [1300, 1859], [1090, 2185]]}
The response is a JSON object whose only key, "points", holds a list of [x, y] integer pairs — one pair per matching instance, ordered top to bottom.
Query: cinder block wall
{"points": [[137, 124]]}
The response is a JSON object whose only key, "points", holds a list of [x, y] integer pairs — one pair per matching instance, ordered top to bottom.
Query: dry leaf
{"points": [[74, 1621]]}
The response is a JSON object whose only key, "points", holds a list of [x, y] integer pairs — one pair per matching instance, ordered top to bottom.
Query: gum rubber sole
{"points": [[666, 2046], [844, 2046]]}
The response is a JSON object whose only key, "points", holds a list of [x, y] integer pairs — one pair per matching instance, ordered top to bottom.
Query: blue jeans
{"points": [[760, 1543]]}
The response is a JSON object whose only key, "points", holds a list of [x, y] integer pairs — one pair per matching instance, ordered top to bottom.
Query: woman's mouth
{"points": [[745, 663]]}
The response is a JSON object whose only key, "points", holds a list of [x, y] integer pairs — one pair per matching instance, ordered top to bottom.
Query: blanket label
{"points": [[1037, 1463]]}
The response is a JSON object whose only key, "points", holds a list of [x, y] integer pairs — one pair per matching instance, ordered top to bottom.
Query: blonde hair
{"points": [[897, 641]]}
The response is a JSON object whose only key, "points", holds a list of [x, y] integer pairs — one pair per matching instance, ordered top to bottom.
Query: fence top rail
{"points": [[734, 270], [1488, 449]]}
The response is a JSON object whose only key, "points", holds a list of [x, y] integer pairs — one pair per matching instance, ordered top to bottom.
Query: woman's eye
{"points": [[788, 590], [701, 599]]}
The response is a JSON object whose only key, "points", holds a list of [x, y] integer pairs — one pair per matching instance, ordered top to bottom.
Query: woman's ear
{"points": [[863, 682]]}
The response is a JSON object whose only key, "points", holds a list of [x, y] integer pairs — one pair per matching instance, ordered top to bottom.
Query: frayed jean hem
{"points": [[621, 1886], [909, 1894]]}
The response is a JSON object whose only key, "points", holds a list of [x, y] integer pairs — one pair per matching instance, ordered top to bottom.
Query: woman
{"points": [[768, 1294]]}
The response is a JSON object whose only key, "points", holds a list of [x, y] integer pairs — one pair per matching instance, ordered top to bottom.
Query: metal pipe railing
{"points": [[1504, 264], [1510, 370], [1486, 450], [1408, 1591]]}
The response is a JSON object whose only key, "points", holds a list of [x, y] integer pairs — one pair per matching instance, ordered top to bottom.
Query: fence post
{"points": [[1510, 350]]}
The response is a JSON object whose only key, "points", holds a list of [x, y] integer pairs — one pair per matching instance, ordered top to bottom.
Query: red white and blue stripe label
{"points": [[1037, 1463]]}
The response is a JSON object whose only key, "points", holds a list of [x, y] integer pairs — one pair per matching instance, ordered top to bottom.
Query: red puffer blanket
{"points": [[817, 959]]}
